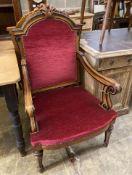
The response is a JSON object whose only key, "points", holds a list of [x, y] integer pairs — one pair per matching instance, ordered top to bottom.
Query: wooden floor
{"points": [[91, 157]]}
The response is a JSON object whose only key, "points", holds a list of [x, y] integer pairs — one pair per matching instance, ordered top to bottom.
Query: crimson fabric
{"points": [[50, 47], [67, 114]]}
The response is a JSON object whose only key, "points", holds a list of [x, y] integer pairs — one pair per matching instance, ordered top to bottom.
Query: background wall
{"points": [[56, 3], [65, 3], [24, 6]]}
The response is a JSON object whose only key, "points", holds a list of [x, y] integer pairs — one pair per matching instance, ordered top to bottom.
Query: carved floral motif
{"points": [[45, 9], [49, 10]]}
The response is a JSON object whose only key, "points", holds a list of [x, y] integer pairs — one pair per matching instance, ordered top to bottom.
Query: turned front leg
{"points": [[108, 134], [71, 154], [39, 156]]}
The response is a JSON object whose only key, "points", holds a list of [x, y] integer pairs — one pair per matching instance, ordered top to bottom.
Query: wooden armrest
{"points": [[110, 85], [29, 107]]}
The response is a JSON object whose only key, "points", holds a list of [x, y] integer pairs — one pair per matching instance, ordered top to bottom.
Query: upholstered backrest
{"points": [[50, 48]]}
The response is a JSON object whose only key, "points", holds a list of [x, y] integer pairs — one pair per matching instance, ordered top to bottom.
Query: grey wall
{"points": [[55, 3], [66, 3], [24, 5]]}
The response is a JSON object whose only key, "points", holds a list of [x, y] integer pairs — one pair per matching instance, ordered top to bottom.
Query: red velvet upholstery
{"points": [[50, 52], [67, 114]]}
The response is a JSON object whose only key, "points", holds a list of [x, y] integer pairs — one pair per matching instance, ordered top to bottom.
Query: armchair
{"points": [[61, 111]]}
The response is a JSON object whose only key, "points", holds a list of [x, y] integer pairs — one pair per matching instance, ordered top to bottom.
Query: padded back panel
{"points": [[50, 47]]}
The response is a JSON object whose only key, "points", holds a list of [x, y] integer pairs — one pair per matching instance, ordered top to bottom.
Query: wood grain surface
{"points": [[9, 72]]}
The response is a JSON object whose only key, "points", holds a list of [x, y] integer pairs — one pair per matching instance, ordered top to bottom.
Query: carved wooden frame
{"points": [[41, 13], [111, 87]]}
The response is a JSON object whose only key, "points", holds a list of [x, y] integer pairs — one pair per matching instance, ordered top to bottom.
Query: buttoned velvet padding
{"points": [[50, 47], [67, 114]]}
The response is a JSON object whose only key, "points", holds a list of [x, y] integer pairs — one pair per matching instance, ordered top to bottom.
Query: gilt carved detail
{"points": [[45, 9], [49, 10]]}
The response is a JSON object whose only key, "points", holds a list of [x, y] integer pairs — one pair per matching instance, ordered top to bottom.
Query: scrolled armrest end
{"points": [[113, 90]]}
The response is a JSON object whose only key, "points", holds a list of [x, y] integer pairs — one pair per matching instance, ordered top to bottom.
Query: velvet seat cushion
{"points": [[66, 114]]}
